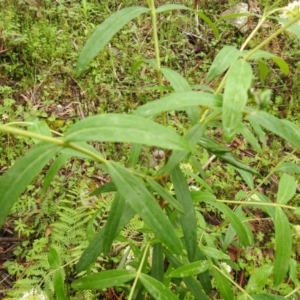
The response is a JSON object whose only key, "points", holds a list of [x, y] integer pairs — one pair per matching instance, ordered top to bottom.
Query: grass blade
{"points": [[103, 34], [238, 82], [125, 128], [14, 181], [135, 192], [188, 218], [283, 245], [58, 278], [103, 280], [157, 289]]}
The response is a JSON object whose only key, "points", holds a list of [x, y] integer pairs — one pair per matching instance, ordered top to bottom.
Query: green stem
{"points": [[271, 37], [157, 55], [16, 131], [257, 204], [138, 272]]}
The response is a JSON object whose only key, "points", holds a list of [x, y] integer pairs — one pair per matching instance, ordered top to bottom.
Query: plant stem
{"points": [[271, 37], [157, 55], [257, 204], [139, 271]]}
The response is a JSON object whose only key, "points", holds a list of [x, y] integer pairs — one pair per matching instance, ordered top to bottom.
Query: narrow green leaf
{"points": [[168, 7], [210, 23], [295, 28], [103, 34], [267, 55], [222, 62], [263, 70], [178, 82], [238, 82], [180, 85], [178, 101], [38, 126], [125, 128], [283, 128], [258, 131], [193, 135], [250, 138], [211, 145], [134, 156], [229, 158], [55, 167], [288, 167], [247, 176], [14, 181], [105, 188], [287, 189], [135, 192], [164, 194], [201, 196], [297, 211], [188, 218], [113, 220], [234, 221], [230, 233], [283, 245], [95, 248], [214, 253], [191, 269], [157, 270], [58, 278], [259, 278], [103, 279], [192, 284], [223, 285], [157, 289], [267, 297]]}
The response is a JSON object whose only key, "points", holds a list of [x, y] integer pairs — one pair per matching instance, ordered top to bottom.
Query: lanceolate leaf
{"points": [[168, 7], [104, 33], [278, 60], [222, 62], [180, 84], [235, 97], [178, 101], [125, 128], [283, 128], [194, 134], [56, 165], [288, 167], [14, 181], [287, 189], [135, 192], [164, 194], [188, 218], [234, 221], [112, 223], [283, 245], [96, 247], [191, 269], [157, 270], [58, 278], [259, 278], [103, 279], [192, 284], [223, 285], [157, 289]]}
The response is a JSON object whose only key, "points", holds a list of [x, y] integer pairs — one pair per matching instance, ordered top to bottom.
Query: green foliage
{"points": [[172, 251]]}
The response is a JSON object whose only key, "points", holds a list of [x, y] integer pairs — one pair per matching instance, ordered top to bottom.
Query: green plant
{"points": [[163, 199]]}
